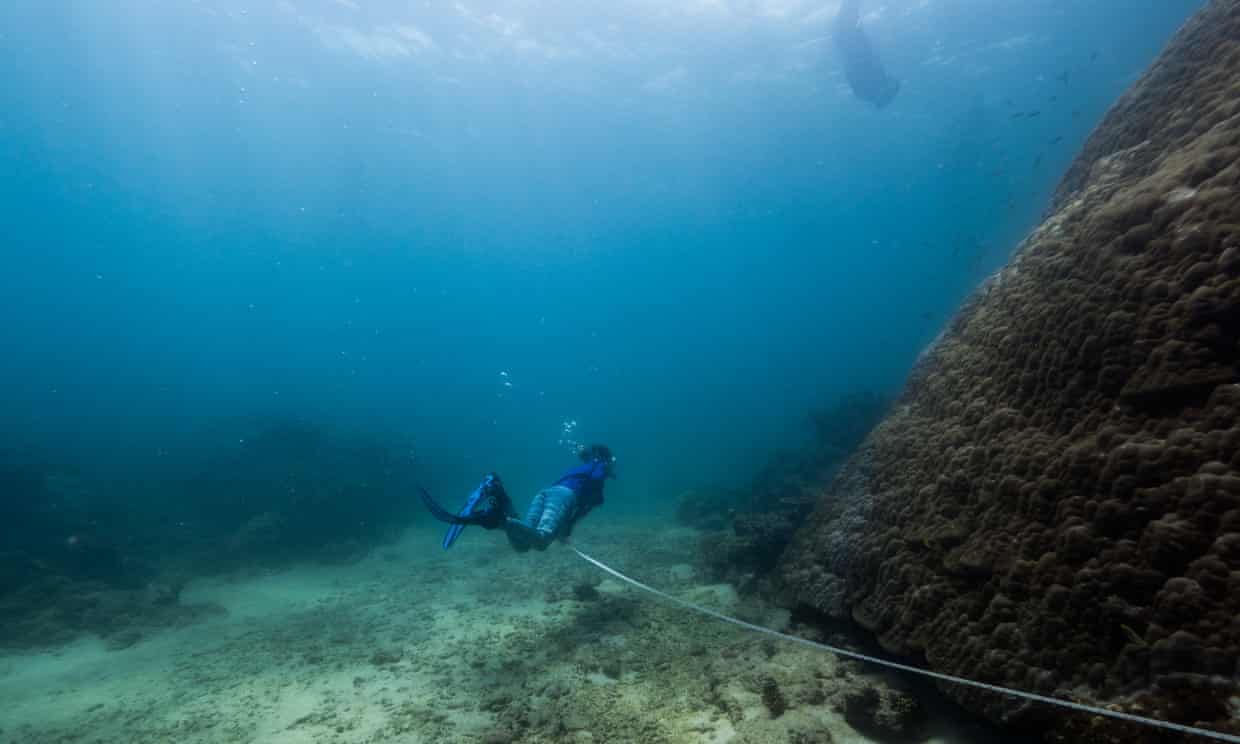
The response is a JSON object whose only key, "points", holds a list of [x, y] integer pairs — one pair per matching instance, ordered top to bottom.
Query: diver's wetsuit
{"points": [[554, 510]]}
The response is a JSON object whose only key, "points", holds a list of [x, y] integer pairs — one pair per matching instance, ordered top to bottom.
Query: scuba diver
{"points": [[862, 68], [552, 512]]}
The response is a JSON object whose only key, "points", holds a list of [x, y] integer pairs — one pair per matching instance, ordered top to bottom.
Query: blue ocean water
{"points": [[471, 224], [268, 266]]}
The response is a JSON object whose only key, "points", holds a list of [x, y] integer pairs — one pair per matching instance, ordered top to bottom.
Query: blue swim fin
{"points": [[488, 505], [455, 530]]}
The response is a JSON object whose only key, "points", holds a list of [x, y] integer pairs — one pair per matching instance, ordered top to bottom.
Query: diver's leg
{"points": [[558, 509], [534, 512], [521, 533], [521, 536]]}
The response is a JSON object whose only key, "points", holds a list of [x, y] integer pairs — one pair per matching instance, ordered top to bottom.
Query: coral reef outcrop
{"points": [[294, 489], [1053, 503], [88, 555]]}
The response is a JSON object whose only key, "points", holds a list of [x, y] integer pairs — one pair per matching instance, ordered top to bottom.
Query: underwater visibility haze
{"points": [[672, 223], [268, 267]]}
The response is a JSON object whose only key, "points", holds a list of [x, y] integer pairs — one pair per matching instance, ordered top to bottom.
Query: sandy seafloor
{"points": [[413, 644]]}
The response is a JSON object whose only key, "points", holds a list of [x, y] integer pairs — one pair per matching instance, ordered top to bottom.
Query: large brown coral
{"points": [[1053, 503]]}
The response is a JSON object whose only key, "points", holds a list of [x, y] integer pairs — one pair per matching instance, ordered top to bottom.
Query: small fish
{"points": [[1093, 56], [1063, 77], [1033, 114], [1018, 115], [1057, 140], [1037, 161], [927, 315]]}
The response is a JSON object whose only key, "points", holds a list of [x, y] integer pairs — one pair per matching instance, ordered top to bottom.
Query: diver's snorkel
{"points": [[599, 454]]}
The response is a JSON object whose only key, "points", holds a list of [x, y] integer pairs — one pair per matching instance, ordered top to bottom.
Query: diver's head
{"points": [[598, 453]]}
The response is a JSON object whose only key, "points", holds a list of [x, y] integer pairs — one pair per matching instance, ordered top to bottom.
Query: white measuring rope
{"points": [[1130, 717]]}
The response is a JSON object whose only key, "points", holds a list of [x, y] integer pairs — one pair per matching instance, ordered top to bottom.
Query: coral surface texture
{"points": [[1053, 503]]}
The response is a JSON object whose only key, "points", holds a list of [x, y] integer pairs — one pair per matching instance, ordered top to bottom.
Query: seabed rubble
{"points": [[412, 644]]}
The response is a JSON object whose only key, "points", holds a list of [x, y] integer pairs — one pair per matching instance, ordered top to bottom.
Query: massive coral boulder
{"points": [[1053, 503]]}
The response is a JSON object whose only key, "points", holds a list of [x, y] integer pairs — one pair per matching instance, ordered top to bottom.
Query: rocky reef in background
{"points": [[296, 490], [1053, 503], [747, 529], [86, 555]]}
